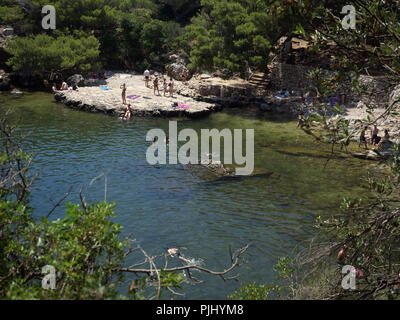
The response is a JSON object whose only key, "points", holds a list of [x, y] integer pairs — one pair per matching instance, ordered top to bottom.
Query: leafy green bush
{"points": [[45, 53], [252, 291]]}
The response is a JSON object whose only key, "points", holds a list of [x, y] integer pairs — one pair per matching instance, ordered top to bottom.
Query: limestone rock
{"points": [[6, 32], [176, 66], [175, 70], [204, 76], [76, 80], [4, 81], [209, 90], [395, 95], [143, 101], [292, 105], [361, 105], [384, 152]]}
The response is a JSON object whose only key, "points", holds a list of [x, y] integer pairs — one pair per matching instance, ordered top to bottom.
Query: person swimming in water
{"points": [[128, 113], [175, 252]]}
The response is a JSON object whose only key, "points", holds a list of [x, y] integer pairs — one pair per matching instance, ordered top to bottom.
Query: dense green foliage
{"points": [[10, 12], [130, 34], [217, 34], [235, 35], [231, 36], [43, 53], [365, 232]]}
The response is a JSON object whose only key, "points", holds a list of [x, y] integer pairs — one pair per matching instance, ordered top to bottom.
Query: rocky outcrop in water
{"points": [[142, 100], [383, 153], [218, 169]]}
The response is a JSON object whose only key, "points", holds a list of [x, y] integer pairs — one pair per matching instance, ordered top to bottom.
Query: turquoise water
{"points": [[171, 205]]}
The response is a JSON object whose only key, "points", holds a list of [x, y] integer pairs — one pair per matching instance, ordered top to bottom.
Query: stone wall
{"points": [[289, 76], [294, 77]]}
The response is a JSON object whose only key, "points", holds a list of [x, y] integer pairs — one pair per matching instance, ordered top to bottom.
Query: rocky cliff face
{"points": [[177, 64]]}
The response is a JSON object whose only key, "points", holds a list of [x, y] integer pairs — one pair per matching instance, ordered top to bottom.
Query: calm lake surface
{"points": [[170, 205]]}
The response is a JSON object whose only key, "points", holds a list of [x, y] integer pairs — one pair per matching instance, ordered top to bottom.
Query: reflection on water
{"points": [[170, 205]]}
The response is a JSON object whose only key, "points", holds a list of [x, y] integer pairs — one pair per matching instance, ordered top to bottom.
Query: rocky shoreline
{"points": [[142, 100]]}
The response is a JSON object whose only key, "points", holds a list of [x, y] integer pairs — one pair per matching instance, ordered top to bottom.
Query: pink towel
{"points": [[183, 106]]}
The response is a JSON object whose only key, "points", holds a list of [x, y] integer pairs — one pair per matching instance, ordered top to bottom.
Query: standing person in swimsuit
{"points": [[183, 76], [147, 77], [155, 85], [165, 86], [123, 87], [171, 87], [374, 136], [385, 138], [363, 139]]}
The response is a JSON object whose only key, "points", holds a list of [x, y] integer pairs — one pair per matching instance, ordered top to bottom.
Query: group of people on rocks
{"points": [[167, 85], [64, 86], [374, 139]]}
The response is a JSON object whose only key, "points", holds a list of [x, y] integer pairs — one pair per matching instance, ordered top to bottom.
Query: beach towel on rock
{"points": [[133, 97], [183, 106]]}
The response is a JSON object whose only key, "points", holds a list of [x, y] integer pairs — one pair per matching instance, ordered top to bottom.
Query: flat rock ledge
{"points": [[96, 99]]}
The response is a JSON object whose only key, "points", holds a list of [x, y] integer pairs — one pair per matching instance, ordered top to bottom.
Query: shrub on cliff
{"points": [[10, 12], [234, 35], [45, 53]]}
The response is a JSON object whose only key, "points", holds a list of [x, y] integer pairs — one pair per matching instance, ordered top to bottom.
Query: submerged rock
{"points": [[218, 168], [218, 172]]}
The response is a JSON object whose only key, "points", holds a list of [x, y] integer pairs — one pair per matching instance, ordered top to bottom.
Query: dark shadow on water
{"points": [[253, 112], [311, 155]]}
